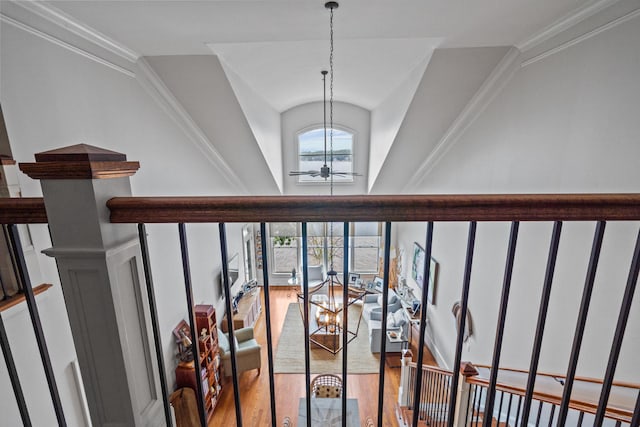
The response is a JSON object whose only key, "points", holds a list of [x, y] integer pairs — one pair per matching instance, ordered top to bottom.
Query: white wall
{"points": [[452, 77], [200, 85], [53, 97], [307, 116], [387, 117], [264, 121], [566, 123]]}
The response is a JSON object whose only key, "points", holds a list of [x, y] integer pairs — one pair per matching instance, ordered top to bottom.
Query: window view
{"points": [[311, 154], [325, 246]]}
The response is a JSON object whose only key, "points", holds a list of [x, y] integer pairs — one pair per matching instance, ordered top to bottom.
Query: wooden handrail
{"points": [[517, 207], [22, 210], [431, 368], [562, 376], [613, 411]]}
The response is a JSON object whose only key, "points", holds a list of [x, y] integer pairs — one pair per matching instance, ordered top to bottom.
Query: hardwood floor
{"points": [[254, 389]]}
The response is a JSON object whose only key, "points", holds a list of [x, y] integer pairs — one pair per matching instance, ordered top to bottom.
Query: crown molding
{"points": [[564, 23], [614, 23], [80, 29], [61, 43], [490, 88], [170, 105]]}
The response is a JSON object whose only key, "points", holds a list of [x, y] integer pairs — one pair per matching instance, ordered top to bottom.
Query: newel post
{"points": [[102, 278], [405, 387], [464, 389]]}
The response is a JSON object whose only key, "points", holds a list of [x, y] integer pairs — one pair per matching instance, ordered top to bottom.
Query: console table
{"points": [[249, 308]]}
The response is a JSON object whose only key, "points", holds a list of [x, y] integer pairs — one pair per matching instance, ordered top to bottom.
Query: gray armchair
{"points": [[316, 278], [247, 351]]}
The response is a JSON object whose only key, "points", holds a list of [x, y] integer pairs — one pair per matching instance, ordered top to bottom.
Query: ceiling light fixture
{"points": [[326, 171]]}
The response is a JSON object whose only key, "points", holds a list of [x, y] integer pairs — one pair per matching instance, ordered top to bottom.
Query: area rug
{"points": [[289, 357]]}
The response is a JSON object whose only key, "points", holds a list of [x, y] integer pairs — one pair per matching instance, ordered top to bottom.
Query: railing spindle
{"points": [[184, 249], [224, 258], [625, 309], [153, 311], [305, 311], [267, 314], [423, 314], [502, 316], [542, 317], [463, 319], [582, 320], [383, 323], [37, 325], [345, 331], [13, 375], [476, 404], [500, 406], [509, 408], [518, 410], [553, 411], [539, 417], [580, 418], [635, 421]]}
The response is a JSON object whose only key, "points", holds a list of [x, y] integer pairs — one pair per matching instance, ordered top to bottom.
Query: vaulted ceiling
{"points": [[278, 47], [273, 50]]}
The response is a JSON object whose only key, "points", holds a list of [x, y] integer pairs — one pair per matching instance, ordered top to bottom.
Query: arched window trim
{"points": [[337, 126]]}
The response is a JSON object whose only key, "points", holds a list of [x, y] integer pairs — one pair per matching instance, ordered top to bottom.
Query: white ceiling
{"points": [[279, 47]]}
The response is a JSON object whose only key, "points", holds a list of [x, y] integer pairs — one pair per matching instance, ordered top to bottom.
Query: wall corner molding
{"points": [[564, 23], [71, 24], [592, 33], [65, 45], [490, 88], [161, 94]]}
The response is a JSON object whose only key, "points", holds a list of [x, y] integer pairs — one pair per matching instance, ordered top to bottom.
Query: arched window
{"points": [[311, 154]]}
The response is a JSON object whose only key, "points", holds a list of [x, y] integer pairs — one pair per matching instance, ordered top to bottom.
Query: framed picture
{"points": [[417, 272], [353, 279], [378, 283], [181, 331]]}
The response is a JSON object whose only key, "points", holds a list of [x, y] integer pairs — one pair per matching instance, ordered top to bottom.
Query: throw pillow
{"points": [[328, 391]]}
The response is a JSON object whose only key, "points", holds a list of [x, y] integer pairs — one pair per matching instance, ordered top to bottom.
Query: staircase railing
{"points": [[433, 403]]}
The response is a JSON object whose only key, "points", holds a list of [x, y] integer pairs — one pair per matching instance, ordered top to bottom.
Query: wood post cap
{"points": [[80, 161], [468, 370]]}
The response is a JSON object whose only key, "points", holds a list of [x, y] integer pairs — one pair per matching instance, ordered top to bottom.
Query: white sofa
{"points": [[396, 320]]}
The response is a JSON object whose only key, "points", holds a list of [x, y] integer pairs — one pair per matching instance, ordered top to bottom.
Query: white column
{"points": [[103, 283]]}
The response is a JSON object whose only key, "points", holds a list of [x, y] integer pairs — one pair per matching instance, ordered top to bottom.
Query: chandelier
{"points": [[326, 310]]}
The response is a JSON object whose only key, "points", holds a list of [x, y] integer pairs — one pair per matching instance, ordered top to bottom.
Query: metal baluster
{"points": [[222, 231], [23, 274], [345, 309], [625, 309], [153, 311], [305, 312], [267, 314], [423, 315], [502, 316], [542, 317], [463, 318], [582, 320], [192, 324], [383, 332], [13, 375], [441, 394], [478, 405], [500, 406], [509, 408], [518, 410], [553, 410], [539, 415], [466, 417], [580, 418], [635, 421], [618, 423]]}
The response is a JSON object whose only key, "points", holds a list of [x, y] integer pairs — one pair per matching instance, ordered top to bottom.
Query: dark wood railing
{"points": [[387, 209]]}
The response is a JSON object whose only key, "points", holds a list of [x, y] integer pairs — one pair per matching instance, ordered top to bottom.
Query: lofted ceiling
{"points": [[279, 47]]}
